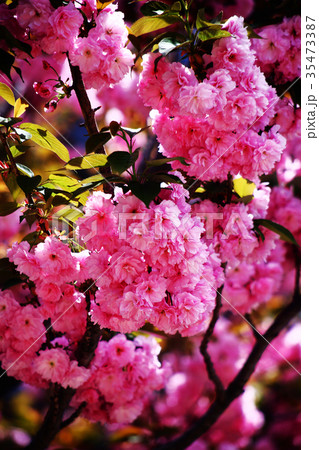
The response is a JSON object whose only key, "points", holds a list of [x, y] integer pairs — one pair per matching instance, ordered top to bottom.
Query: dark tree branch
{"points": [[84, 102], [89, 117], [256, 333], [204, 344], [236, 387], [61, 397], [73, 416]]}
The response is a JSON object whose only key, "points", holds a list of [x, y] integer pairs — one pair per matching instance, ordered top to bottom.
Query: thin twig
{"points": [[89, 118], [203, 348]]}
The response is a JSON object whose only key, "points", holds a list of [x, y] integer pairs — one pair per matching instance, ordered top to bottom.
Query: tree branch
{"points": [[84, 102], [89, 117], [204, 344], [236, 387], [61, 397], [73, 416]]}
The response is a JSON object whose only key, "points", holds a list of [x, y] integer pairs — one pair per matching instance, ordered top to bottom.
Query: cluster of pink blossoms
{"points": [[96, 45], [279, 52], [206, 122], [230, 229], [149, 264], [255, 270], [123, 374], [116, 384]]}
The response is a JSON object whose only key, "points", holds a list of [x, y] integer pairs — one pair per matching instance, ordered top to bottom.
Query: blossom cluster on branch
{"points": [[187, 218]]}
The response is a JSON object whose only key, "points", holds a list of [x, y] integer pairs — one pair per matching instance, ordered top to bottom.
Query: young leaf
{"points": [[148, 24], [209, 30], [252, 33], [167, 45], [7, 94], [19, 108], [45, 139], [96, 140], [15, 151], [120, 161], [162, 161], [87, 162], [25, 170], [28, 184], [243, 187], [146, 192], [284, 234]]}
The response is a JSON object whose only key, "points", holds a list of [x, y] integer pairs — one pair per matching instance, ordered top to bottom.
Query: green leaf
{"points": [[176, 6], [152, 8], [218, 18], [148, 24], [207, 30], [213, 33], [252, 33], [157, 39], [167, 45], [7, 94], [134, 131], [23, 135], [45, 139], [96, 141], [15, 151], [89, 161], [120, 161], [162, 161], [25, 170], [97, 177], [11, 182], [28, 184], [85, 188], [146, 192], [60, 199], [7, 208], [259, 233], [284, 234], [33, 238]]}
